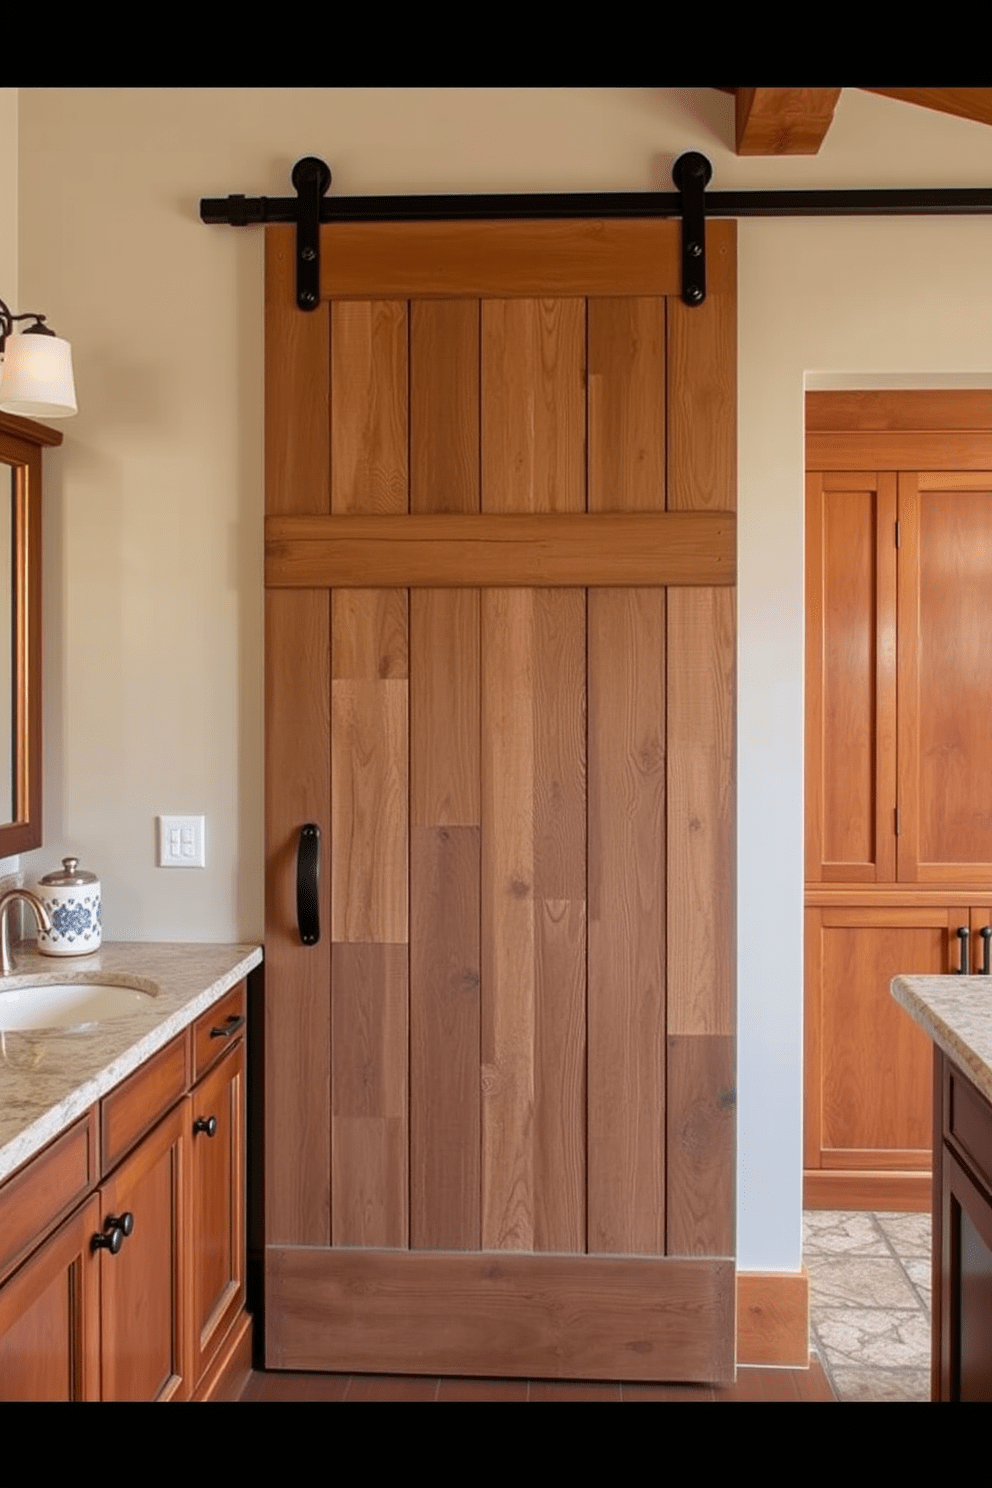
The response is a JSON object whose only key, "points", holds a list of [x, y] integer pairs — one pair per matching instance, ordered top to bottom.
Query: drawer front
{"points": [[217, 1029], [134, 1107], [969, 1123], [45, 1189]]}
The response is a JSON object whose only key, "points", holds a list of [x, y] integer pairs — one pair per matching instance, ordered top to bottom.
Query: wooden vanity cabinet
{"points": [[159, 1314]]}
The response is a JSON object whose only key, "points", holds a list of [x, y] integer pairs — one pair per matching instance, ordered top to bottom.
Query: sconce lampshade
{"points": [[36, 376]]}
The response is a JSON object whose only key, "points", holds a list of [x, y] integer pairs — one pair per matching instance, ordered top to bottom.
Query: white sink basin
{"points": [[68, 1004]]}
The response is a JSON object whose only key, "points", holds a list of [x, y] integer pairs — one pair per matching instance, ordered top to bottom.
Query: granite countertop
{"points": [[956, 1012], [48, 1077]]}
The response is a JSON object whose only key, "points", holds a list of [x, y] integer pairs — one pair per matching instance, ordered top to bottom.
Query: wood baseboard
{"points": [[837, 1188], [773, 1318], [230, 1368]]}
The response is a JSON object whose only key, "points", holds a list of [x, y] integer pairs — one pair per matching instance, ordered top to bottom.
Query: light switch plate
{"points": [[181, 842]]}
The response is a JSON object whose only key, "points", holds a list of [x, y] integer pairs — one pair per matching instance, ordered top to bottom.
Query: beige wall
{"points": [[153, 526]]}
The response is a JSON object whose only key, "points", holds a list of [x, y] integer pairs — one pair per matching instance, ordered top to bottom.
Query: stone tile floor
{"points": [[869, 1283]]}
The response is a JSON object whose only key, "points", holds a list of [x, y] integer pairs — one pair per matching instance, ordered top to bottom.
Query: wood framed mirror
{"points": [[21, 444]]}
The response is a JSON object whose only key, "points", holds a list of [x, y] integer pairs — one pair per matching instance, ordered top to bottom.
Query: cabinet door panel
{"points": [[850, 677], [945, 678], [868, 1074], [217, 1181], [50, 1318], [144, 1335]]}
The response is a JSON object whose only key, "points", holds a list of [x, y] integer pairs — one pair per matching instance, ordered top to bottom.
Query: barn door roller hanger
{"points": [[691, 174]]}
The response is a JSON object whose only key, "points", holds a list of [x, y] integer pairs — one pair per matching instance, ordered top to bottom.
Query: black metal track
{"points": [[242, 211]]}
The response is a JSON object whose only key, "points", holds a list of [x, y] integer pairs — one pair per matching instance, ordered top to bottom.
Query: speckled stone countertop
{"points": [[956, 1012], [48, 1077]]}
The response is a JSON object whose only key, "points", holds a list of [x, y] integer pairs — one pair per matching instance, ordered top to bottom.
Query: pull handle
{"points": [[308, 884], [986, 934], [964, 935], [226, 1029]]}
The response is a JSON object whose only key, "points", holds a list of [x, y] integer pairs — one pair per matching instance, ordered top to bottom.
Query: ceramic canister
{"points": [[72, 898]]}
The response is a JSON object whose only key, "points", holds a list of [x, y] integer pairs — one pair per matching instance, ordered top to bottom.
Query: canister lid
{"points": [[69, 873]]}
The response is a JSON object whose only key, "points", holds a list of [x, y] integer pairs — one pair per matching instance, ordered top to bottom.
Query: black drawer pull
{"points": [[308, 884], [986, 934], [232, 1025], [206, 1124]]}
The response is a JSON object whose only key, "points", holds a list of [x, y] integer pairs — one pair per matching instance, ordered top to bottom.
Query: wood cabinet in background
{"points": [[898, 764]]}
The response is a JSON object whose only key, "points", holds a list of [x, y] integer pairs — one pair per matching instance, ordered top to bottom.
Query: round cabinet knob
{"points": [[206, 1124], [123, 1222], [112, 1241]]}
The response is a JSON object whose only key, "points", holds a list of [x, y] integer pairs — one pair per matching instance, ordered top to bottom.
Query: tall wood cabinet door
{"points": [[850, 676], [945, 677], [499, 679], [868, 1067], [217, 1180], [50, 1318], [145, 1331]]}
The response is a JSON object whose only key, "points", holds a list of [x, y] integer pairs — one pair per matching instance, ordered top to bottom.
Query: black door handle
{"points": [[308, 884], [986, 934], [964, 935]]}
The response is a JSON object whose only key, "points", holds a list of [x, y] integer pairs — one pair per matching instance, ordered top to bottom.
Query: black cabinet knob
{"points": [[206, 1124], [123, 1222], [112, 1240]]}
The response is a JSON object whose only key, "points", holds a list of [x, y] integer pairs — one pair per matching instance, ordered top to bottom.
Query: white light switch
{"points": [[181, 842]]}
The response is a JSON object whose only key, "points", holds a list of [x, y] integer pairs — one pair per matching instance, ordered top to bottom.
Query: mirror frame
{"points": [[21, 444]]}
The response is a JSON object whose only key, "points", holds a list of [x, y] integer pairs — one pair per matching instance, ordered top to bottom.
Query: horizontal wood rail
{"points": [[547, 550], [506, 1313]]}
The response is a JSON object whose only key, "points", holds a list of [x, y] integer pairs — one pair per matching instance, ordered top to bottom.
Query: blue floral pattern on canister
{"points": [[72, 920]]}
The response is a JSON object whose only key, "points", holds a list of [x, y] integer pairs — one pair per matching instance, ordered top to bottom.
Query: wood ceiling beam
{"points": [[964, 103], [783, 121]]}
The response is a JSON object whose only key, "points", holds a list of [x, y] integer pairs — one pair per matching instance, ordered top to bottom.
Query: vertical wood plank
{"points": [[297, 385], [702, 399], [444, 405], [533, 405], [626, 405], [369, 406], [702, 474], [626, 661], [444, 707], [297, 727], [369, 775], [369, 803], [700, 811], [559, 918], [508, 952], [445, 972], [626, 1015], [297, 1033], [444, 1039], [702, 1081], [370, 1095]]}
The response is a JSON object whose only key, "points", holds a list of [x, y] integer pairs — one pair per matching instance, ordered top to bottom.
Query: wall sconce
{"points": [[35, 369]]}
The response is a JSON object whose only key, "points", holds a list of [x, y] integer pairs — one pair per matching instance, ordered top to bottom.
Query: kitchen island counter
{"points": [[956, 1012]]}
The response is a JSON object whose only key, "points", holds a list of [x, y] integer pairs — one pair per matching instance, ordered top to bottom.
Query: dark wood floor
{"points": [[752, 1384]]}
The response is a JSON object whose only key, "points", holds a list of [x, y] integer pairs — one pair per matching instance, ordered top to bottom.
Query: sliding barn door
{"points": [[500, 554]]}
